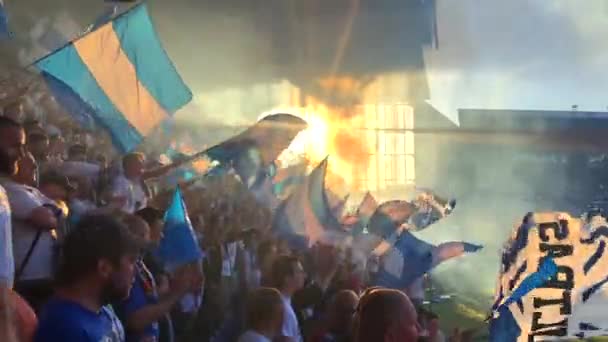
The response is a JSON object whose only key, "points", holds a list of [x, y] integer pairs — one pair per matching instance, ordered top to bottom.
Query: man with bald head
{"points": [[386, 315]]}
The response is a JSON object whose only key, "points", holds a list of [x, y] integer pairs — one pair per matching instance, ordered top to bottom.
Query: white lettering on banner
{"points": [[572, 303]]}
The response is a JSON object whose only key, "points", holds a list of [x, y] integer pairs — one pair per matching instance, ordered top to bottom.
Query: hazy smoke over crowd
{"points": [[241, 56]]}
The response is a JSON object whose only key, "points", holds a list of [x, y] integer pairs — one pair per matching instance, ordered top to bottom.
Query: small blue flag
{"points": [[179, 245]]}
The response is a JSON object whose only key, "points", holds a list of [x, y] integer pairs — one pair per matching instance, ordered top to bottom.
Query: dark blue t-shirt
{"points": [[138, 298], [63, 320]]}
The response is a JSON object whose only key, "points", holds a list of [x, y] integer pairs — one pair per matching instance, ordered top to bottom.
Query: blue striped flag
{"points": [[4, 31], [123, 73], [305, 217]]}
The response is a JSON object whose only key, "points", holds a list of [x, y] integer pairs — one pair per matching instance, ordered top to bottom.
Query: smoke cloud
{"points": [[496, 54]]}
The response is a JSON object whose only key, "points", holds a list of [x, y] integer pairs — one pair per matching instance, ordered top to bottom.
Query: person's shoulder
{"points": [[10, 186], [61, 321]]}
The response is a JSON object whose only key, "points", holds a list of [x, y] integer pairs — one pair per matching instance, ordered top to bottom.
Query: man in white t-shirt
{"points": [[12, 145], [129, 190], [34, 218], [288, 276]]}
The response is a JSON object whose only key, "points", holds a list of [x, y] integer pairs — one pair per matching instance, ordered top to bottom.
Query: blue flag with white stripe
{"points": [[123, 73]]}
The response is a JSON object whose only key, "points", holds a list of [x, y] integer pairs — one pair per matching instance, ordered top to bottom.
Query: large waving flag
{"points": [[4, 30], [123, 73], [255, 149], [306, 217], [179, 245], [404, 257], [572, 303]]}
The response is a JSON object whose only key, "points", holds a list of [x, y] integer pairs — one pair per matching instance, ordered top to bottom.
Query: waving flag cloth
{"points": [[4, 31], [122, 72], [255, 149], [337, 203], [367, 207], [430, 208], [306, 217], [357, 221], [179, 245], [403, 258], [573, 302]]}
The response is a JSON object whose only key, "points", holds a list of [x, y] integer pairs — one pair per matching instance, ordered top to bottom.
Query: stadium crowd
{"points": [[78, 227]]}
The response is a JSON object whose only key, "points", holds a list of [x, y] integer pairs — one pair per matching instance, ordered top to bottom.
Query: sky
{"points": [[546, 55]]}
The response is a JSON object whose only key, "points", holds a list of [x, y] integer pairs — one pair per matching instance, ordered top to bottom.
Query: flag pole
{"points": [[36, 61]]}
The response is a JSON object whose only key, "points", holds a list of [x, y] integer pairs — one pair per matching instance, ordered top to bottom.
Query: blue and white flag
{"points": [[123, 73], [572, 303]]}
